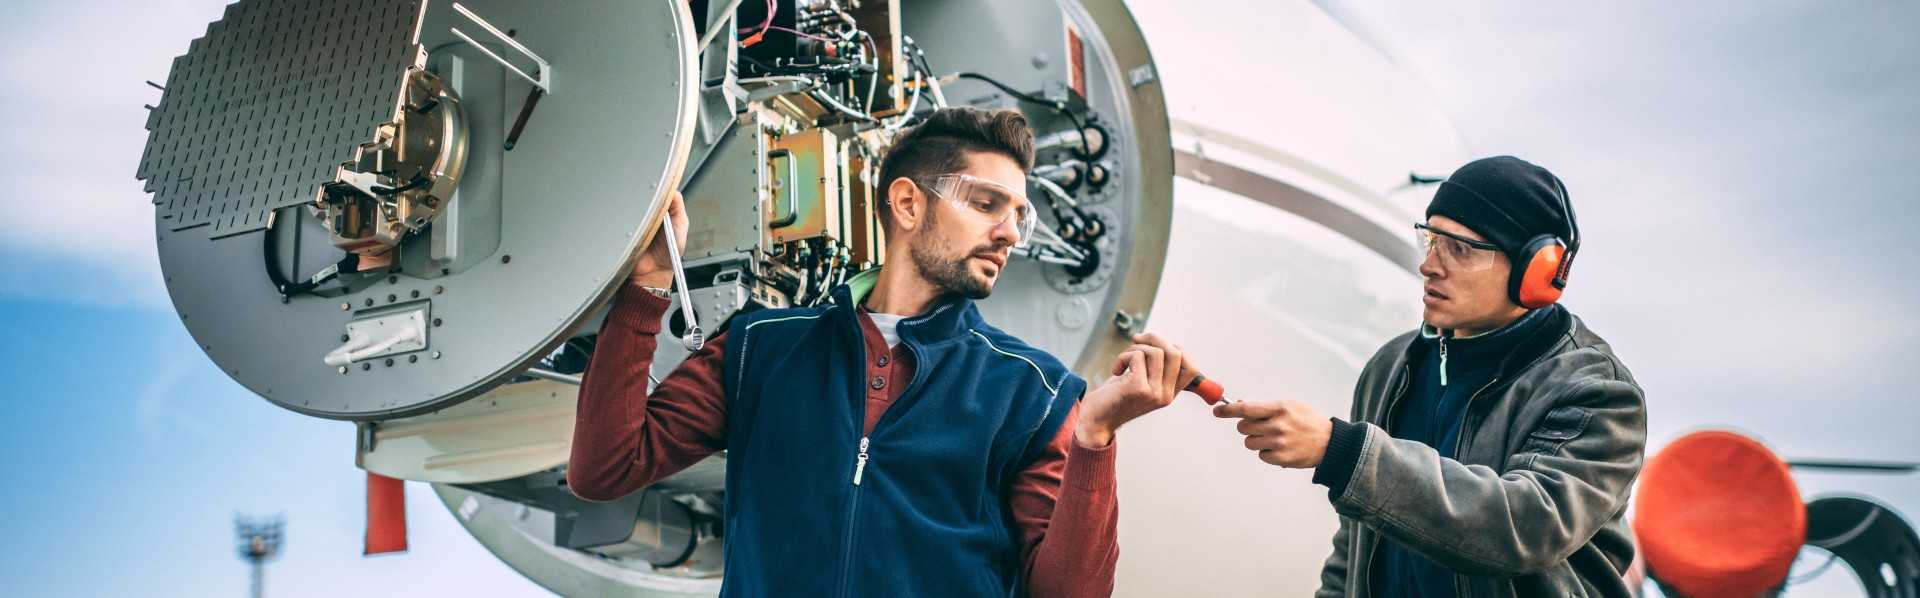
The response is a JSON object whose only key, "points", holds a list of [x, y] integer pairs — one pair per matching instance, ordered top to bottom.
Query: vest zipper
{"points": [[1443, 359], [860, 458], [860, 463], [853, 512]]}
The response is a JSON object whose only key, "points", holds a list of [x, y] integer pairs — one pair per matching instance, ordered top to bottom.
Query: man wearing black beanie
{"points": [[1491, 451]]}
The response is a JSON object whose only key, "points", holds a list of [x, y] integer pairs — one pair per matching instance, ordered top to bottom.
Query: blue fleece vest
{"points": [[926, 514]]}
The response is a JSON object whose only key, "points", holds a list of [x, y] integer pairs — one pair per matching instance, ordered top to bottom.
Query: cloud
{"points": [[1745, 181], [70, 201]]}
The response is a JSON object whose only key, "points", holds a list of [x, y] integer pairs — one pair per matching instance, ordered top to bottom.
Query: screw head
{"points": [[436, 354], [343, 369]]}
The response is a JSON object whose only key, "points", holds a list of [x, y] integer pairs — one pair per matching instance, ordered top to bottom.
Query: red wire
{"points": [[764, 26]]}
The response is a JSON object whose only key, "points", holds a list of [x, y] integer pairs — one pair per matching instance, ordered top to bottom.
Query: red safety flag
{"points": [[386, 515]]}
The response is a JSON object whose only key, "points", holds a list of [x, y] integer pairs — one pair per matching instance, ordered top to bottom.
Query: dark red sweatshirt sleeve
{"points": [[625, 439], [1069, 518]]}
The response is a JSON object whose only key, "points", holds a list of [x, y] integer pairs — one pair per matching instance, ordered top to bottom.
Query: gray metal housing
{"points": [[534, 241]]}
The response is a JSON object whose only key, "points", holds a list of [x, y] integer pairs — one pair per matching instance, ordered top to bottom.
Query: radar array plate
{"points": [[260, 111]]}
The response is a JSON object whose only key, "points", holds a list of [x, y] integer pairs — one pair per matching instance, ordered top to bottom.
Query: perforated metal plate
{"points": [[258, 112], [532, 242]]}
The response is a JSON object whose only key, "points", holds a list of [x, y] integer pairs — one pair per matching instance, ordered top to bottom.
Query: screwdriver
{"points": [[1206, 388], [1209, 391]]}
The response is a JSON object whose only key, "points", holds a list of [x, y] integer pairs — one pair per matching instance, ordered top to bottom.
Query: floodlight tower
{"points": [[259, 542]]}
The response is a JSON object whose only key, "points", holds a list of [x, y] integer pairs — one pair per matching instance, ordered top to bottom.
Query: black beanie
{"points": [[1509, 201]]}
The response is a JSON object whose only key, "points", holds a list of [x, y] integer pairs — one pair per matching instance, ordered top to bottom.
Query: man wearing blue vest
{"points": [[890, 443]]}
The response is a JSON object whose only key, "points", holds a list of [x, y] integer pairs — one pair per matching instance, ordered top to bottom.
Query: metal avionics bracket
{"points": [[541, 86]]}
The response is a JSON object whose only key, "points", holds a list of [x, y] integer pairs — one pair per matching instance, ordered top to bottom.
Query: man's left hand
{"points": [[1289, 434]]}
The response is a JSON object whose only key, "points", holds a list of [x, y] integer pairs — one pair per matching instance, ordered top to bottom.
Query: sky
{"points": [[1745, 176], [133, 452]]}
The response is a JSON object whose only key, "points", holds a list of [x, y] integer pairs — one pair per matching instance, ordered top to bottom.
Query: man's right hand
{"points": [[655, 267], [1147, 376], [1285, 433]]}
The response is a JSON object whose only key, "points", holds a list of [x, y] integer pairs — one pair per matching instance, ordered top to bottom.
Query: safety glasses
{"points": [[992, 201], [1456, 252]]}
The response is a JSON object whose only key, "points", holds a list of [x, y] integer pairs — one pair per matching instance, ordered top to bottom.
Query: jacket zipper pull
{"points": [[1443, 361], [860, 466]]}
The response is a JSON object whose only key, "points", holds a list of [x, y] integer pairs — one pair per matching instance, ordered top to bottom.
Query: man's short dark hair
{"points": [[941, 144]]}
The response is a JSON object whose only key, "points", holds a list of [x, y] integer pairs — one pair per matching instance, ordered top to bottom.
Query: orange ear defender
{"points": [[1540, 276], [1539, 281]]}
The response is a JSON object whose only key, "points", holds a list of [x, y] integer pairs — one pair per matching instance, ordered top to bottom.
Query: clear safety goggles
{"points": [[992, 201], [1457, 253]]}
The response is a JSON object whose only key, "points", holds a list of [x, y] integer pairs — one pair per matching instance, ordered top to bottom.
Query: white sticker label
{"points": [[1141, 75], [468, 507]]}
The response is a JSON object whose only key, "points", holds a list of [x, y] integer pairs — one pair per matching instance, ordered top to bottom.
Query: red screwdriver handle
{"points": [[1208, 390]]}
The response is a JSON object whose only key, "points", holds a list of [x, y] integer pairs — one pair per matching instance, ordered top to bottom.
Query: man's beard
{"points": [[950, 274]]}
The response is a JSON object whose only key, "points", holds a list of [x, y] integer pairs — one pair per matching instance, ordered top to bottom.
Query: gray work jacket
{"points": [[1533, 504]]}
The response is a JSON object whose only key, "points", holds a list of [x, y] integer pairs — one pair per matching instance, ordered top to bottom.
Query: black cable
{"points": [[921, 55], [913, 65], [844, 69], [907, 118], [1079, 128], [1086, 149], [419, 180], [1080, 216], [348, 265]]}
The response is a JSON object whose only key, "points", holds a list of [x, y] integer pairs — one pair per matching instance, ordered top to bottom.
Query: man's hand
{"points": [[654, 268], [1147, 376], [1285, 433]]}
